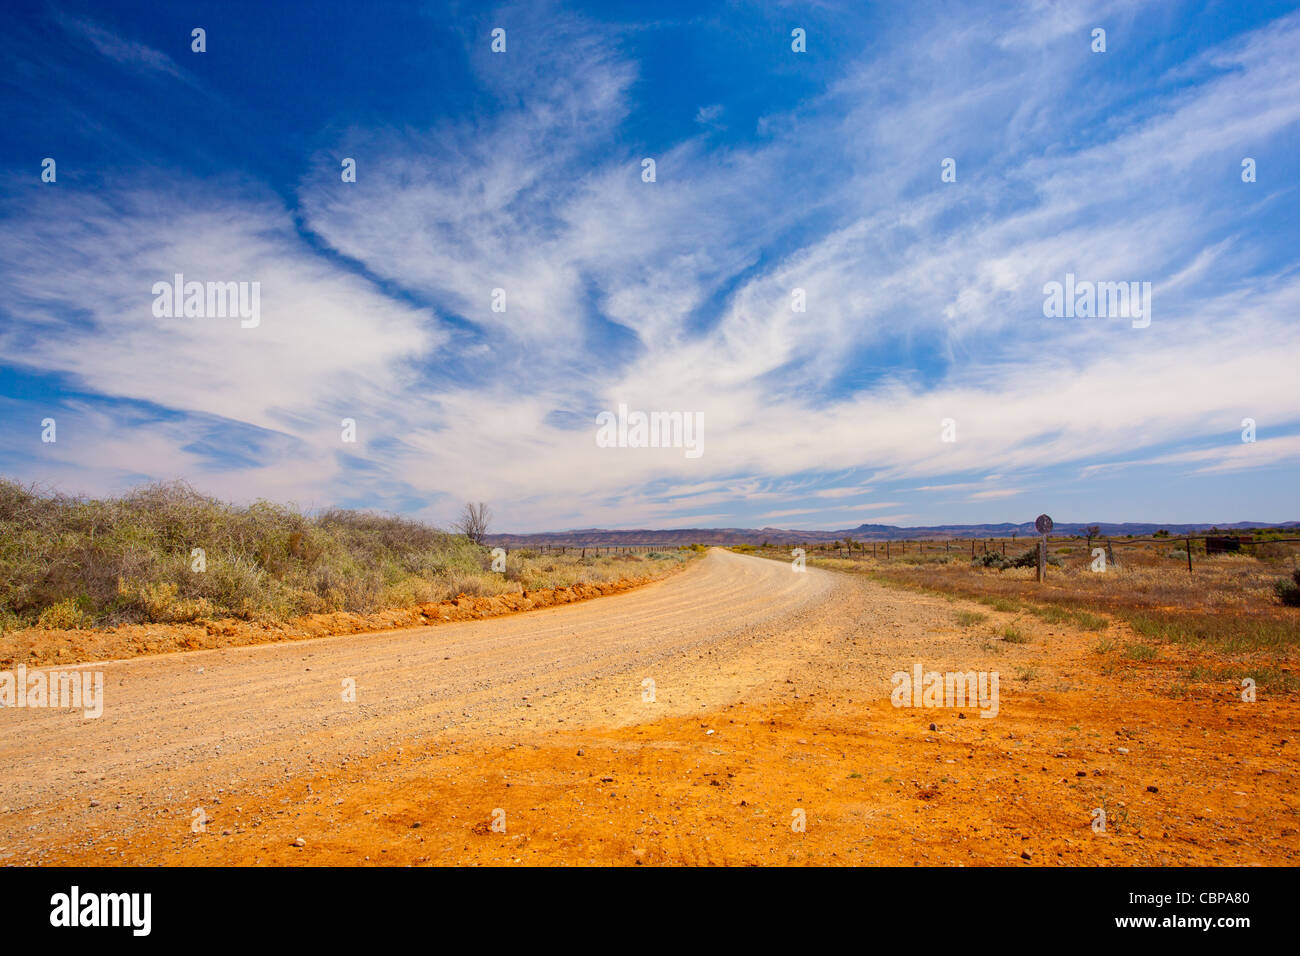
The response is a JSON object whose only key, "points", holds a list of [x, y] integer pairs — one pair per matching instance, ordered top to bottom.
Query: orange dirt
{"points": [[1207, 779], [876, 785]]}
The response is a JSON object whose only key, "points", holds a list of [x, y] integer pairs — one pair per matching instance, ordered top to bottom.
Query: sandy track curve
{"points": [[182, 728]]}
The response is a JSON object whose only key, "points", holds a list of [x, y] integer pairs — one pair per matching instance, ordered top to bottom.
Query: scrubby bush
{"points": [[1029, 559], [69, 562], [1288, 592], [65, 615]]}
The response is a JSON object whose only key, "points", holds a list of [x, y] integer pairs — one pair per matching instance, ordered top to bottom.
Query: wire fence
{"points": [[1211, 544], [1202, 545], [593, 550]]}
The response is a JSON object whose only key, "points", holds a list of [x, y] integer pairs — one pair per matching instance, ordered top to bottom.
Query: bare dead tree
{"points": [[473, 521]]}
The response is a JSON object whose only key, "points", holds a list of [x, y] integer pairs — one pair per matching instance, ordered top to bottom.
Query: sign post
{"points": [[1044, 524]]}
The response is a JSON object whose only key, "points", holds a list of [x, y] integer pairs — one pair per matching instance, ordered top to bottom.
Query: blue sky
{"points": [[775, 171]]}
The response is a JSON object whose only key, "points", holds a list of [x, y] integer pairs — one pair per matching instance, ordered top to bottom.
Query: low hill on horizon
{"points": [[602, 537]]}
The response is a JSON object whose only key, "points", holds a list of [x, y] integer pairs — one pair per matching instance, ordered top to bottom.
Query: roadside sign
{"points": [[1044, 524]]}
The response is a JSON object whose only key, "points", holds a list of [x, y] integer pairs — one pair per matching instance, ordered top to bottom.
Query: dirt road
{"points": [[770, 694], [178, 730]]}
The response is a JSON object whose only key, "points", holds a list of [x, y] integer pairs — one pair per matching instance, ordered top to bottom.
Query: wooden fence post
{"points": [[1189, 554]]}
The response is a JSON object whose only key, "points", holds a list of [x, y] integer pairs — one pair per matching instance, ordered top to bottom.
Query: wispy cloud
{"points": [[128, 53], [500, 274]]}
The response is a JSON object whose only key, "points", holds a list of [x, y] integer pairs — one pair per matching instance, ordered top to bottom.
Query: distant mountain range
{"points": [[600, 537]]}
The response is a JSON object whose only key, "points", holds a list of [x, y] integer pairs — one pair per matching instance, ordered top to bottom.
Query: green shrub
{"points": [[1028, 559], [73, 562], [1288, 592], [66, 615], [9, 621]]}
